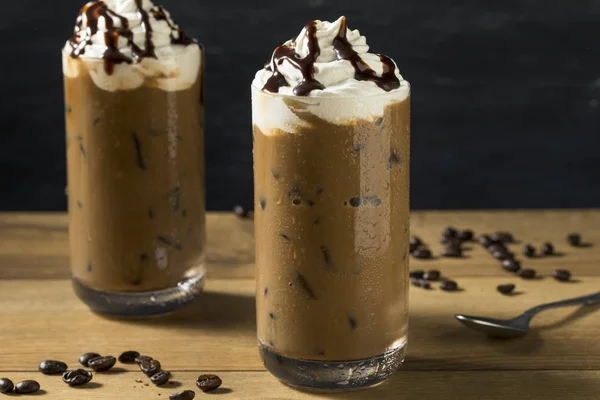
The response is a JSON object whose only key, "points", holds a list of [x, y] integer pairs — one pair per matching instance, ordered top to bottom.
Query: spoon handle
{"points": [[589, 299]]}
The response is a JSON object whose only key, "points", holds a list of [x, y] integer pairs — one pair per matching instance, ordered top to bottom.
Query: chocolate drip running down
{"points": [[94, 10], [304, 65], [387, 81]]}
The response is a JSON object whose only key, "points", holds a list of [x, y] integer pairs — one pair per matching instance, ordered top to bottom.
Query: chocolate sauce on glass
{"points": [[95, 10], [387, 81]]}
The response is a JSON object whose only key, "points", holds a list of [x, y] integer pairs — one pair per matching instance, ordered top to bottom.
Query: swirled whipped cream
{"points": [[137, 41], [329, 60]]}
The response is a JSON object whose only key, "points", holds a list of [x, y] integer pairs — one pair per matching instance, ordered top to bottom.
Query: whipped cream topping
{"points": [[137, 41], [329, 60]]}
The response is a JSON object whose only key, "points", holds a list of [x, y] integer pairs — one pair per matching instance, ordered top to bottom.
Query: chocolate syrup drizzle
{"points": [[94, 10], [344, 51]]}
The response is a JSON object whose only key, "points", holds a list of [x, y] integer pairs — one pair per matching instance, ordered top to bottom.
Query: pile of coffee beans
{"points": [[496, 246], [98, 363]]}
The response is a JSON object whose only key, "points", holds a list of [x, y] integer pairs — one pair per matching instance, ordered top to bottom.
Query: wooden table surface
{"points": [[40, 318]]}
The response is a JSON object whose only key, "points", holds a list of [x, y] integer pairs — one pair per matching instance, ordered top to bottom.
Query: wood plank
{"points": [[34, 246], [218, 331], [473, 385]]}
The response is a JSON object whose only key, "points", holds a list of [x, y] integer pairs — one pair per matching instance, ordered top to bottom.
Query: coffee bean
{"points": [[240, 211], [450, 232], [466, 235], [502, 237], [574, 239], [484, 240], [414, 243], [492, 248], [547, 249], [452, 251], [529, 251], [422, 254], [502, 255], [511, 265], [527, 273], [417, 274], [432, 275], [562, 275], [420, 283], [449, 286], [506, 289], [128, 357], [85, 358], [140, 359], [101, 364], [51, 367], [150, 367], [77, 377], [160, 378], [206, 383], [6, 385], [27, 387], [185, 395]]}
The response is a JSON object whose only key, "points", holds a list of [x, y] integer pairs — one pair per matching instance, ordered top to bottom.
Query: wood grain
{"points": [[34, 246], [43, 319], [405, 385]]}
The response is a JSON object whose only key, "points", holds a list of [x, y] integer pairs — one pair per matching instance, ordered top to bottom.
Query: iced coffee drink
{"points": [[134, 121], [331, 164]]}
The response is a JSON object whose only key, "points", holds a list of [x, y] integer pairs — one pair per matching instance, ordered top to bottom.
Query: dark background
{"points": [[506, 94]]}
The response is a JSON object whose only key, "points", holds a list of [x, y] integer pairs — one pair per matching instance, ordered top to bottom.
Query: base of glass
{"points": [[141, 304], [319, 376]]}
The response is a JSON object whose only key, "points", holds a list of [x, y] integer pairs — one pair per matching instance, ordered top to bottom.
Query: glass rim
{"points": [[391, 94]]}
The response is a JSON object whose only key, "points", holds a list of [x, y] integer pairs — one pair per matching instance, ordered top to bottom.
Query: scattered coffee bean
{"points": [[240, 211], [450, 232], [466, 235], [502, 237], [574, 239], [484, 240], [414, 243], [496, 247], [547, 249], [452, 251], [529, 251], [422, 254], [502, 255], [511, 265], [527, 273], [417, 274], [432, 275], [562, 275], [420, 283], [449, 286], [506, 289], [128, 357], [85, 358], [140, 359], [101, 364], [51, 367], [150, 367], [77, 377], [160, 378], [206, 383], [6, 385], [27, 387], [185, 395]]}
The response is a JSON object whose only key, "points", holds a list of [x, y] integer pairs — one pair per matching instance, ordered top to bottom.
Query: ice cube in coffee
{"points": [[135, 126], [331, 167]]}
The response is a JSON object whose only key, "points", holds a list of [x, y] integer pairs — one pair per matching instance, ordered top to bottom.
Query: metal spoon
{"points": [[518, 326]]}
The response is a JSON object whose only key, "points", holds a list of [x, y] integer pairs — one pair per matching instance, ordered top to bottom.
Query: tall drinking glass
{"points": [[332, 233]]}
